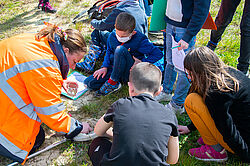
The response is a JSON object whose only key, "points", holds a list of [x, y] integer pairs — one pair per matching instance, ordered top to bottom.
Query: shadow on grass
{"points": [[21, 20]]}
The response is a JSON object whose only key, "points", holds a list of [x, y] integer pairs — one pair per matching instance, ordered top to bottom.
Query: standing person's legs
{"points": [[223, 18], [244, 59], [170, 73], [182, 84], [201, 118], [98, 147]]}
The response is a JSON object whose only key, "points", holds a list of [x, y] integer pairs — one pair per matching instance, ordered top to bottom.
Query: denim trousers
{"points": [[223, 18], [100, 38], [123, 61], [170, 74]]}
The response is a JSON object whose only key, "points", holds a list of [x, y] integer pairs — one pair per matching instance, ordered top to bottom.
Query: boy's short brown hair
{"points": [[125, 22], [145, 77]]}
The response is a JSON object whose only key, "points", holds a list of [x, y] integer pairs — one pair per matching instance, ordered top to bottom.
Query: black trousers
{"points": [[223, 18], [40, 138], [98, 147]]}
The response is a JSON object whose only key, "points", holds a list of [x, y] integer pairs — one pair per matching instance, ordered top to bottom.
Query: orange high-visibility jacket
{"points": [[30, 88]]}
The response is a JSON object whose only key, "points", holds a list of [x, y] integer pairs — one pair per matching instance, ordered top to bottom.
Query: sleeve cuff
{"points": [[187, 37], [191, 127], [75, 128]]}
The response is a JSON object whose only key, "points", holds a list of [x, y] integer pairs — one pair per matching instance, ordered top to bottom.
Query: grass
{"points": [[17, 17]]}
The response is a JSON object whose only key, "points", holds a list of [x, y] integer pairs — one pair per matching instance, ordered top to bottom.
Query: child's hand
{"points": [[183, 45], [136, 62], [98, 73], [86, 128], [183, 129]]}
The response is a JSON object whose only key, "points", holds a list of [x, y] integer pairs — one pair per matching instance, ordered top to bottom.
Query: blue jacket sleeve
{"points": [[200, 13], [108, 23], [153, 53], [106, 61]]}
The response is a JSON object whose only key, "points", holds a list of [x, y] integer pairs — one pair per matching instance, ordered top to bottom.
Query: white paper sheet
{"points": [[177, 56]]}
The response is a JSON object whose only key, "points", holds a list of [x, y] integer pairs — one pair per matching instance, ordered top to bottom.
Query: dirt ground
{"points": [[32, 21]]}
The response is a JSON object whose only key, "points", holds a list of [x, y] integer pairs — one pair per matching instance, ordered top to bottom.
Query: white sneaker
{"points": [[163, 96], [175, 108], [85, 137]]}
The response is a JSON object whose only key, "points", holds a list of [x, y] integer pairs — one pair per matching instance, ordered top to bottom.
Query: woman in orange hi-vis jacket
{"points": [[32, 69]]}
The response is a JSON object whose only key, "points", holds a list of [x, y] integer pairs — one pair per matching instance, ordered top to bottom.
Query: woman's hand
{"points": [[101, 72], [70, 87], [183, 129]]}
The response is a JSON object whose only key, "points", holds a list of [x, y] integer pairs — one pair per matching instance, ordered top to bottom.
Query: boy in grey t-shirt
{"points": [[144, 131]]}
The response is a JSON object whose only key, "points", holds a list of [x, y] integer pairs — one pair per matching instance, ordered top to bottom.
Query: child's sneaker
{"points": [[107, 88], [163, 96], [175, 108], [200, 141], [207, 153]]}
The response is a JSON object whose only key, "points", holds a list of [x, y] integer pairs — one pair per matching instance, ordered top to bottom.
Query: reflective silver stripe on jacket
{"points": [[12, 94], [51, 109], [12, 148]]}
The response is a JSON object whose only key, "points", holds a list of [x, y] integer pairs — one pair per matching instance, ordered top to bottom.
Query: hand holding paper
{"points": [[177, 55]]}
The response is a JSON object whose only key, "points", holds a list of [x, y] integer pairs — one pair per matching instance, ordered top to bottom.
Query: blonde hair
{"points": [[70, 38], [206, 70], [145, 76]]}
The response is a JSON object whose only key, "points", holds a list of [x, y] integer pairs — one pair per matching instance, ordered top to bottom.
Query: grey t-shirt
{"points": [[141, 128]]}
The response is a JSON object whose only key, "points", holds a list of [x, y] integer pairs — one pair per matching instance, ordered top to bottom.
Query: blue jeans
{"points": [[100, 38], [123, 61], [170, 71]]}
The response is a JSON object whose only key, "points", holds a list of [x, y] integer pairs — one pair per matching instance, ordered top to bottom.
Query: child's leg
{"points": [[97, 47], [123, 61], [94, 84], [200, 116], [98, 147]]}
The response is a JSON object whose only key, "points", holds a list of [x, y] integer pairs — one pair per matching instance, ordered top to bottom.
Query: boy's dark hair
{"points": [[125, 22], [145, 77]]}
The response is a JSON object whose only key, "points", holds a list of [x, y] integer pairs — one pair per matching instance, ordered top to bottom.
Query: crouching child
{"points": [[125, 48], [144, 132]]}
